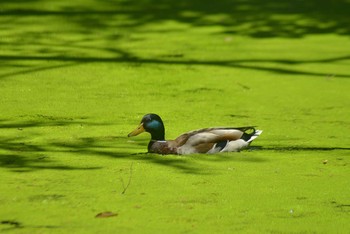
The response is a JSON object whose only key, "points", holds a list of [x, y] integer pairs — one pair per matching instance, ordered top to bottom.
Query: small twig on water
{"points": [[129, 181]]}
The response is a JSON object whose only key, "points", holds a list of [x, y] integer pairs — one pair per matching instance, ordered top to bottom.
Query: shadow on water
{"points": [[271, 18], [99, 25], [34, 36], [242, 64], [21, 154]]}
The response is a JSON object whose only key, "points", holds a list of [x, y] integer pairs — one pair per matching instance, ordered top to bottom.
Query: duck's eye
{"points": [[146, 120]]}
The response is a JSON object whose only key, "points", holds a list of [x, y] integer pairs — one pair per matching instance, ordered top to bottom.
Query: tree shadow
{"points": [[271, 18], [99, 25], [34, 39], [242, 64], [19, 153], [22, 154]]}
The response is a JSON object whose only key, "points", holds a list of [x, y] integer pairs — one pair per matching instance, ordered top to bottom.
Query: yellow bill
{"points": [[137, 131]]}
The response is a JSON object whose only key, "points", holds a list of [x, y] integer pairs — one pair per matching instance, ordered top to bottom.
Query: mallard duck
{"points": [[207, 140]]}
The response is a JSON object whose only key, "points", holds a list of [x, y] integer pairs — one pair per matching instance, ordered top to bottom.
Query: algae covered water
{"points": [[77, 76]]}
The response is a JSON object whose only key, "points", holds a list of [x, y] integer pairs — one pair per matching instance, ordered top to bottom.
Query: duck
{"points": [[201, 141]]}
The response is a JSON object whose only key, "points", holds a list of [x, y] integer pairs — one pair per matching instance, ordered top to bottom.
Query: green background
{"points": [[77, 76]]}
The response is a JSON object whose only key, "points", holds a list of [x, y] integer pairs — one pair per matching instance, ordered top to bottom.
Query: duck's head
{"points": [[153, 124]]}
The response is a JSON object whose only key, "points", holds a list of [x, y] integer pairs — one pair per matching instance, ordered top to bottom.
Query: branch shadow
{"points": [[271, 19], [115, 21], [33, 39], [242, 64], [22, 154]]}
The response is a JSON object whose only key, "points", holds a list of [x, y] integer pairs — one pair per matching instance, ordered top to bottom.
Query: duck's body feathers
{"points": [[207, 140]]}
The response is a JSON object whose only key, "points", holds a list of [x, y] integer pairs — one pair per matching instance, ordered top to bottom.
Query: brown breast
{"points": [[161, 147]]}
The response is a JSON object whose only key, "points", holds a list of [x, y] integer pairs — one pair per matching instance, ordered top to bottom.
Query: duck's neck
{"points": [[158, 135], [150, 144]]}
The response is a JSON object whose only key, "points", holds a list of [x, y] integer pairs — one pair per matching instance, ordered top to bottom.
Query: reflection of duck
{"points": [[207, 140]]}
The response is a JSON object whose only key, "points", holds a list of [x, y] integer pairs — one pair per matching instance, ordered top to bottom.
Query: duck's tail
{"points": [[254, 135]]}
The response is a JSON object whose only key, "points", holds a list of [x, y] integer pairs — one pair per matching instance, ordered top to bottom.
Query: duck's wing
{"points": [[208, 139]]}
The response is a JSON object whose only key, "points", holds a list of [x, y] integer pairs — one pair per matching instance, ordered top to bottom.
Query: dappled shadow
{"points": [[253, 18], [33, 32], [38, 37], [250, 64], [40, 121], [118, 148], [21, 153], [18, 163]]}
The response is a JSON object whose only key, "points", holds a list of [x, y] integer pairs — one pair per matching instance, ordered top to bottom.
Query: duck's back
{"points": [[214, 140]]}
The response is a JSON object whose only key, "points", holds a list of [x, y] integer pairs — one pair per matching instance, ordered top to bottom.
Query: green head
{"points": [[153, 124]]}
